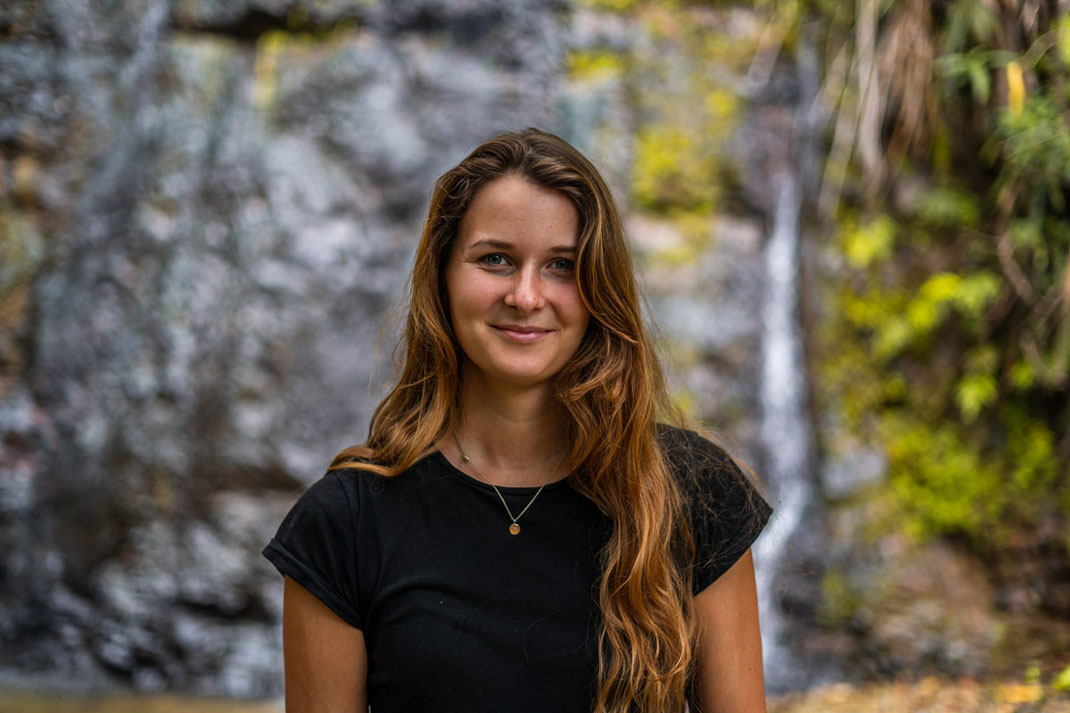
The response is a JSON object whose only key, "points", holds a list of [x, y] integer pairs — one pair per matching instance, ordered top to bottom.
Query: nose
{"points": [[526, 292]]}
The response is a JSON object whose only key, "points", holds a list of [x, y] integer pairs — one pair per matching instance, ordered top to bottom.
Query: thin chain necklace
{"points": [[514, 528]]}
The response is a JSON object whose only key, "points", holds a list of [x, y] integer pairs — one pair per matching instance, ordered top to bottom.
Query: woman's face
{"points": [[511, 284]]}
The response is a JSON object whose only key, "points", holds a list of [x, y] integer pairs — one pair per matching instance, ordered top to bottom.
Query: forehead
{"points": [[513, 209]]}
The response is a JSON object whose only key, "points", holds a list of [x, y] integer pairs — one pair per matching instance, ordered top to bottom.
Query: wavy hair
{"points": [[612, 391]]}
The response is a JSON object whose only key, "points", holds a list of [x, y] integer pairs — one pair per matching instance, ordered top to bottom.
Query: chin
{"points": [[520, 377], [524, 379]]}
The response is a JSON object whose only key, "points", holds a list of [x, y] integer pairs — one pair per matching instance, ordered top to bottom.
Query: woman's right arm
{"points": [[326, 663]]}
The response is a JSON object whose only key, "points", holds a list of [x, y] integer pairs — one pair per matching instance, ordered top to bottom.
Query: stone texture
{"points": [[206, 209], [891, 606]]}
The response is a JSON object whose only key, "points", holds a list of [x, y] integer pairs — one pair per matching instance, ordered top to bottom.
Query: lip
{"points": [[520, 333]]}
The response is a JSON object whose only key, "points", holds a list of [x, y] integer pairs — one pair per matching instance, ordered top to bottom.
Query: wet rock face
{"points": [[205, 210], [890, 606], [935, 613]]}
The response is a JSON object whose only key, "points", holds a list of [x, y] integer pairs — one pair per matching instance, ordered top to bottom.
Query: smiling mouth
{"points": [[519, 328], [520, 333]]}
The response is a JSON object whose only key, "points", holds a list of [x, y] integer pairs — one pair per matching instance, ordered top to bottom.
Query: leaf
{"points": [[983, 21], [1064, 39], [594, 65], [979, 81], [1015, 88], [949, 207], [1026, 233], [870, 242], [940, 287], [975, 292], [923, 315], [893, 337], [982, 359], [1022, 376], [973, 393], [1032, 674], [1062, 680], [1020, 693]]}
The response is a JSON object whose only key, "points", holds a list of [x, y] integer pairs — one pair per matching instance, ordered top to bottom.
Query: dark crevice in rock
{"points": [[253, 23], [13, 27], [466, 28], [214, 476], [251, 609]]}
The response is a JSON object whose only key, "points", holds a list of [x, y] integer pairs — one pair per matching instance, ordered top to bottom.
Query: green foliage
{"points": [[611, 5], [969, 21], [1063, 33], [594, 65], [970, 68], [685, 115], [1036, 144], [680, 164], [672, 171], [949, 207], [869, 242], [976, 291], [899, 323], [945, 336], [946, 340], [1022, 375], [973, 392], [1030, 452], [950, 474], [943, 483], [838, 601], [1031, 676], [1062, 680]]}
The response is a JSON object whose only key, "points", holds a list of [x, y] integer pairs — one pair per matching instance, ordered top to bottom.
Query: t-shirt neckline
{"points": [[453, 470]]}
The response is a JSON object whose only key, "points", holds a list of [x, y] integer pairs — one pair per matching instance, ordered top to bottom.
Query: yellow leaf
{"points": [[1064, 39], [1015, 88], [940, 287], [1062, 680], [1020, 692]]}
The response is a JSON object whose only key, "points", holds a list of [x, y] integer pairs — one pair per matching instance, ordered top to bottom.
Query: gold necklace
{"points": [[514, 528]]}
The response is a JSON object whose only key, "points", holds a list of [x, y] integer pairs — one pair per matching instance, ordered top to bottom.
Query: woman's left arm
{"points": [[729, 670]]}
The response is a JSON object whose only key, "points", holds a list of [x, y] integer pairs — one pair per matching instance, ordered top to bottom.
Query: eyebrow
{"points": [[503, 245]]}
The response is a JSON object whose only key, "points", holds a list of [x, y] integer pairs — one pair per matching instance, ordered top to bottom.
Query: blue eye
{"points": [[493, 259], [563, 264]]}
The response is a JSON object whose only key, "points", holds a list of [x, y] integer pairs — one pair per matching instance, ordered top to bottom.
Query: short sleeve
{"points": [[726, 511], [314, 546]]}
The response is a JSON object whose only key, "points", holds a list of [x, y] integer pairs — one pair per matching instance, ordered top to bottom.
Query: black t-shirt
{"points": [[460, 615]]}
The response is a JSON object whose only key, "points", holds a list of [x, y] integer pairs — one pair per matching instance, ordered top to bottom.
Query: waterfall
{"points": [[785, 432]]}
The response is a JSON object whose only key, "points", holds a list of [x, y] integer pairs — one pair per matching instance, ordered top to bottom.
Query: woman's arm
{"points": [[730, 646], [326, 663]]}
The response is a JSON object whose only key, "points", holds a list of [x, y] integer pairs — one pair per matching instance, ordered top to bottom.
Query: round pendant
{"points": [[514, 529]]}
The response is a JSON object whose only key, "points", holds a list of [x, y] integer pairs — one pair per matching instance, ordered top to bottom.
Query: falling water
{"points": [[785, 428]]}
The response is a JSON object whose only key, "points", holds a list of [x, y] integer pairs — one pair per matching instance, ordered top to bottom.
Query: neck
{"points": [[515, 437]]}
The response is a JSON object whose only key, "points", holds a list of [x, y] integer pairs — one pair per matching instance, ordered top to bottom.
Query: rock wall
{"points": [[206, 209]]}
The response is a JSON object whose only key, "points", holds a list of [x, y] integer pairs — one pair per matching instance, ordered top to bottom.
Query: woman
{"points": [[518, 533]]}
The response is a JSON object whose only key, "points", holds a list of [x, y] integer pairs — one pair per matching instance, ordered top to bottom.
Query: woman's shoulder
{"points": [[684, 447], [364, 475], [708, 476], [343, 492], [725, 509]]}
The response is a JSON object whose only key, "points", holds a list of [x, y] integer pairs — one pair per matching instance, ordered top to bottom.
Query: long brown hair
{"points": [[612, 391]]}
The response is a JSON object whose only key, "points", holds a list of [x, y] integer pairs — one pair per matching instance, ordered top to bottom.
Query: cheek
{"points": [[449, 285], [458, 289], [472, 296], [573, 309]]}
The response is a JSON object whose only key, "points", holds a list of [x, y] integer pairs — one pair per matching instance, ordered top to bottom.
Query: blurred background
{"points": [[851, 222]]}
